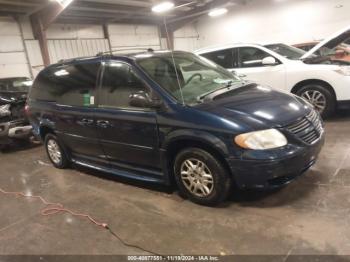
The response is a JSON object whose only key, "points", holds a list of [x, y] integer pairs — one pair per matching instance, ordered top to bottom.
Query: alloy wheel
{"points": [[316, 98], [54, 151], [197, 177]]}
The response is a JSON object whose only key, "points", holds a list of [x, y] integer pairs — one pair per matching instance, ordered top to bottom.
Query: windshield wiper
{"points": [[228, 85]]}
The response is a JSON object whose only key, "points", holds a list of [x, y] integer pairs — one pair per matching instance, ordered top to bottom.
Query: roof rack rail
{"points": [[111, 52], [62, 61]]}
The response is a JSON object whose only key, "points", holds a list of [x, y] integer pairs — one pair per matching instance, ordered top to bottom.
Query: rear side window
{"points": [[224, 58], [119, 82], [76, 84], [73, 85], [43, 88]]}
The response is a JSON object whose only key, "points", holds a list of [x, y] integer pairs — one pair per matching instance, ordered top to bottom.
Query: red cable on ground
{"points": [[55, 208]]}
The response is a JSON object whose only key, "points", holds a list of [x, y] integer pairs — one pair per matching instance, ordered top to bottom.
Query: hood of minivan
{"points": [[330, 42], [258, 106]]}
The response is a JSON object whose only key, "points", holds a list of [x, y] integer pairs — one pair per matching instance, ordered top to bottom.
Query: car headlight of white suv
{"points": [[261, 140]]}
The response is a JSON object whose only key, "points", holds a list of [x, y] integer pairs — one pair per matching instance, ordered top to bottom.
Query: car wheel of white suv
{"points": [[320, 97]]}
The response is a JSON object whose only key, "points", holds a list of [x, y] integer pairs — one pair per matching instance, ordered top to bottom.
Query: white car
{"points": [[322, 80]]}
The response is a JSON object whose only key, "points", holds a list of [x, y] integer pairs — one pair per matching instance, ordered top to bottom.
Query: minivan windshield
{"points": [[287, 51], [195, 75]]}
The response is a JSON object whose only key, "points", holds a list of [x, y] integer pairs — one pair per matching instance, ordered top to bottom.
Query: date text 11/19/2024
{"points": [[173, 258]]}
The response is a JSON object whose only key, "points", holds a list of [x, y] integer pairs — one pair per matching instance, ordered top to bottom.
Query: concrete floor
{"points": [[310, 216]]}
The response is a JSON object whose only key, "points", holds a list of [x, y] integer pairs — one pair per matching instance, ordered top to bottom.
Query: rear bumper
{"points": [[14, 130], [274, 173]]}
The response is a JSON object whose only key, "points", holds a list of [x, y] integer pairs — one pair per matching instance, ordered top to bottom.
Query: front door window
{"points": [[251, 57]]}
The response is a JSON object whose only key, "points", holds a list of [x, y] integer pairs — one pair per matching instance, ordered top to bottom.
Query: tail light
{"points": [[27, 110]]}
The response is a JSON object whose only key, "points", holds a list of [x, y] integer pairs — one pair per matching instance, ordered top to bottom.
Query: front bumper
{"points": [[344, 105], [10, 131], [274, 173]]}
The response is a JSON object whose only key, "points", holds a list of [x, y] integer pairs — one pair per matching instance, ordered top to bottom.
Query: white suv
{"points": [[321, 79]]}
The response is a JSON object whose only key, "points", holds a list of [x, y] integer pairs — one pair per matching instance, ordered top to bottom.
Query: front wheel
{"points": [[320, 97], [201, 177]]}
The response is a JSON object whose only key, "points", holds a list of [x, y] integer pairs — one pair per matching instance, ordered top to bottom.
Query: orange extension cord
{"points": [[55, 208]]}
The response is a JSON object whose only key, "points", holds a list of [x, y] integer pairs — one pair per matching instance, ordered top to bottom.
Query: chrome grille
{"points": [[309, 129]]}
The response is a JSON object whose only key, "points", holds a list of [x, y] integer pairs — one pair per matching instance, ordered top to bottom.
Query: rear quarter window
{"points": [[73, 85], [43, 88]]}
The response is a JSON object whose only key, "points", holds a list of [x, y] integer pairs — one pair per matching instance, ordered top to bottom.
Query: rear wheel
{"points": [[320, 97], [3, 148], [55, 152], [201, 177]]}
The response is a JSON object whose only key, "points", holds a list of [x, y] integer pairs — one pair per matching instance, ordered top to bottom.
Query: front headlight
{"points": [[344, 70], [261, 140]]}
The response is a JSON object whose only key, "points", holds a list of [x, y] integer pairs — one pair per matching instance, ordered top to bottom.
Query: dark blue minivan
{"points": [[173, 116]]}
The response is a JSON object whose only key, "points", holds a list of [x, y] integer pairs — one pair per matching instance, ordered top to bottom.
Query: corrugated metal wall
{"points": [[134, 36], [186, 38], [68, 48], [20, 53], [34, 56], [13, 61]]}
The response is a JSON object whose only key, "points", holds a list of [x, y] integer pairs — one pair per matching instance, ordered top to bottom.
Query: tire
{"points": [[318, 89], [51, 143], [4, 148], [215, 192]]}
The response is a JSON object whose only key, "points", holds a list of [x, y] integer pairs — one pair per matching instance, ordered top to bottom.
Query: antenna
{"points": [[172, 56]]}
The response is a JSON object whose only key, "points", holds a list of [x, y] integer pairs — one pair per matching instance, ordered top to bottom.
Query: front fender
{"points": [[43, 124], [196, 135]]}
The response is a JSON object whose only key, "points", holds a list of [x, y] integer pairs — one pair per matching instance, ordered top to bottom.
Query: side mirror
{"points": [[268, 61], [142, 99]]}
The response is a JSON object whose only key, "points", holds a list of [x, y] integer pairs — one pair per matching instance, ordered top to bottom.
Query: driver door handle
{"points": [[85, 122]]}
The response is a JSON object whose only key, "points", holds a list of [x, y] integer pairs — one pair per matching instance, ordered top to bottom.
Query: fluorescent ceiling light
{"points": [[63, 2], [163, 7], [217, 12]]}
